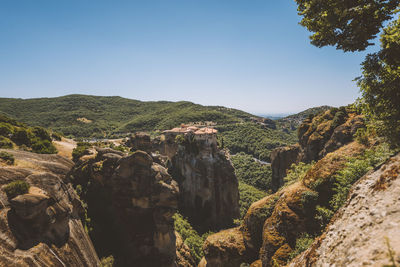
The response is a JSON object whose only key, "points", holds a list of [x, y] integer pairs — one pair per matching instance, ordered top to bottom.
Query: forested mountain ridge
{"points": [[99, 116]]}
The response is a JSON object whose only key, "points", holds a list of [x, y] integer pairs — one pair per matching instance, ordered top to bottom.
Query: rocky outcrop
{"points": [[327, 132], [318, 136], [140, 141], [281, 160], [209, 194], [131, 201], [272, 225], [42, 227], [365, 231], [226, 248], [183, 256]]}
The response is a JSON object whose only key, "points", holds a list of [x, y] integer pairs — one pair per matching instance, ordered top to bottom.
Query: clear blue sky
{"points": [[246, 54]]}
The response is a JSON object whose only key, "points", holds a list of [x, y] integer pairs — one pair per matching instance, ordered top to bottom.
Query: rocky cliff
{"points": [[318, 136], [209, 194], [130, 203], [40, 215], [272, 225], [271, 228], [365, 231]]}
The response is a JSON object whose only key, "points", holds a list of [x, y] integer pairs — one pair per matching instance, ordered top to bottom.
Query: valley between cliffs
{"points": [[175, 199]]}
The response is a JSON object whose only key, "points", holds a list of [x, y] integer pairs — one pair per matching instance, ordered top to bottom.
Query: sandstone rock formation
{"points": [[318, 136], [209, 194], [131, 201], [271, 225], [42, 227], [365, 231]]}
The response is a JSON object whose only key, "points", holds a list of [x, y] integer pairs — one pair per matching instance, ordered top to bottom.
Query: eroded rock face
{"points": [[327, 132], [318, 136], [281, 160], [209, 194], [131, 201], [43, 226], [364, 228], [183, 256]]}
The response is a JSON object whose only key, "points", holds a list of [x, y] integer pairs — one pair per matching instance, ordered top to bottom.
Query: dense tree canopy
{"points": [[350, 25], [380, 84]]}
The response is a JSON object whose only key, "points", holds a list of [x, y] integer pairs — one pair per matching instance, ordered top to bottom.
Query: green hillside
{"points": [[99, 116], [14, 134]]}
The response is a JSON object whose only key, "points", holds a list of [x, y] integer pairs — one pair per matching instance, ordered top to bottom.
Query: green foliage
{"points": [[348, 25], [380, 85], [340, 117], [6, 129], [41, 133], [22, 136], [56, 136], [362, 136], [36, 139], [179, 139], [253, 139], [5, 142], [43, 147], [80, 150], [7, 157], [355, 168], [251, 172], [297, 172], [16, 188], [248, 195], [309, 199], [266, 211], [323, 215], [190, 237], [302, 244], [107, 261]]}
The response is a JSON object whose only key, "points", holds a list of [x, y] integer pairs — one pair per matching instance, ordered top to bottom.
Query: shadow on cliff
{"points": [[30, 233]]}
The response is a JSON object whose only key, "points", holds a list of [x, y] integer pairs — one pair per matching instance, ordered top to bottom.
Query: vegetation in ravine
{"points": [[14, 134], [254, 139], [250, 171], [297, 172], [254, 180], [248, 195], [190, 236], [302, 243]]}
